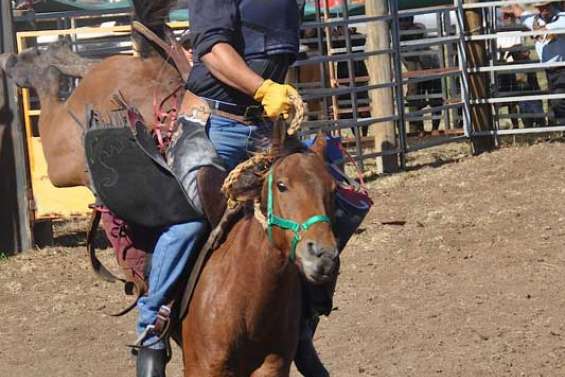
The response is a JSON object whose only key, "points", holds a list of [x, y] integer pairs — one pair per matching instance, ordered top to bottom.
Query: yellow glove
{"points": [[275, 98]]}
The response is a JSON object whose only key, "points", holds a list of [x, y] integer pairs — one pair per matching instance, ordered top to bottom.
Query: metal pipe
{"points": [[487, 4], [460, 26], [517, 67], [353, 92], [518, 98], [400, 110], [521, 131]]}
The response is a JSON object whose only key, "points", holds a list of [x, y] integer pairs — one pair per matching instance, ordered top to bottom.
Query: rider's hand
{"points": [[275, 98]]}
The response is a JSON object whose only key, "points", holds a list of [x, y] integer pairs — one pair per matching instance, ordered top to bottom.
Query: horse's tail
{"points": [[153, 14]]}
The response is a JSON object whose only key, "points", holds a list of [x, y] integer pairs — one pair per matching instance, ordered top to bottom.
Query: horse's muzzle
{"points": [[6, 61], [318, 261]]}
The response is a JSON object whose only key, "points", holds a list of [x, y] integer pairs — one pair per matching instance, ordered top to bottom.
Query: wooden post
{"points": [[380, 72], [481, 114], [15, 217]]}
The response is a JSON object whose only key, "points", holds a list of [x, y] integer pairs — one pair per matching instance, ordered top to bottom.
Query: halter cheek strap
{"points": [[296, 228]]}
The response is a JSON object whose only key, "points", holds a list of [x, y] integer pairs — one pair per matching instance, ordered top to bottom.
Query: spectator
{"points": [[550, 47], [512, 51]]}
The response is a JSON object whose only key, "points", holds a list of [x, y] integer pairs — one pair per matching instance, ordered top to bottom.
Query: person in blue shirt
{"points": [[550, 47], [241, 50]]}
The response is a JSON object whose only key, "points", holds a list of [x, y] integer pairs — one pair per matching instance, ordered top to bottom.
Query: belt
{"points": [[253, 111]]}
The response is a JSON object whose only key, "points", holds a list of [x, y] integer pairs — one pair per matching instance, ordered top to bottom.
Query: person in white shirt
{"points": [[550, 47]]}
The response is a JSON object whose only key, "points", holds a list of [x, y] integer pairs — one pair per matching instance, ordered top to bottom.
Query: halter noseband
{"points": [[273, 220]]}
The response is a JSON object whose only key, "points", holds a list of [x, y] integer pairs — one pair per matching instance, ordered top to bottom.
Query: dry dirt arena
{"points": [[459, 270]]}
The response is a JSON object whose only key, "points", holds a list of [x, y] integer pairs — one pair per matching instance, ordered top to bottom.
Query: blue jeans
{"points": [[178, 242]]}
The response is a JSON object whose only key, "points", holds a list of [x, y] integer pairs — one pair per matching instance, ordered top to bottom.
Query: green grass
{"points": [[3, 257]]}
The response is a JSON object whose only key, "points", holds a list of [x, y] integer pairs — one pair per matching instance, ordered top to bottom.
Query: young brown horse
{"points": [[245, 315]]}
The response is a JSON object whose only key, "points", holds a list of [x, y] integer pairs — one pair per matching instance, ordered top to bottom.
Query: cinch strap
{"points": [[273, 220]]}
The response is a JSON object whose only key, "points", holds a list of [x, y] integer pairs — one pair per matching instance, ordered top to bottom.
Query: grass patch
{"points": [[3, 257]]}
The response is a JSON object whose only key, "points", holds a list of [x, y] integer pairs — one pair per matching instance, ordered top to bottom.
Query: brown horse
{"points": [[140, 80], [245, 314]]}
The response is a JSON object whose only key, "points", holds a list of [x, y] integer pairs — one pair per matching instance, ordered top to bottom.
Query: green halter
{"points": [[297, 228]]}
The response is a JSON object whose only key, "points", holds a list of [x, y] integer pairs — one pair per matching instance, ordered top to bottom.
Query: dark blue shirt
{"points": [[217, 21]]}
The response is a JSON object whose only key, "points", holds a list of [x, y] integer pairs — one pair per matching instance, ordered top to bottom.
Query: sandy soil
{"points": [[457, 271]]}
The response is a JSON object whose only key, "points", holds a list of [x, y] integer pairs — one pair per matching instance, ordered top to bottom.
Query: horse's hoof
{"points": [[151, 362]]}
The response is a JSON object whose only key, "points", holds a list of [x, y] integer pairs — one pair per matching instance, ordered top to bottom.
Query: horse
{"points": [[143, 80], [244, 317]]}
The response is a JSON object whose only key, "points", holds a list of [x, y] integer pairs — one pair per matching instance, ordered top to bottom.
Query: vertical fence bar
{"points": [[490, 27], [441, 34], [321, 48], [451, 61], [331, 67], [352, 84], [466, 111], [401, 127]]}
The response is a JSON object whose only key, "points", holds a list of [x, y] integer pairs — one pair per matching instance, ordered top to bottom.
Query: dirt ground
{"points": [[459, 270]]}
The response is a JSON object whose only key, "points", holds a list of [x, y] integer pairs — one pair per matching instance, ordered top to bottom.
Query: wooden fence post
{"points": [[379, 69], [481, 114], [15, 216]]}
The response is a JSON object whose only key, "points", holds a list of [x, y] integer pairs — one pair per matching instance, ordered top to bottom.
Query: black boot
{"points": [[306, 359], [151, 362]]}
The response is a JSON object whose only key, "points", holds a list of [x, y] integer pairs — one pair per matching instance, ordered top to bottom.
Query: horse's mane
{"points": [[153, 14], [245, 182]]}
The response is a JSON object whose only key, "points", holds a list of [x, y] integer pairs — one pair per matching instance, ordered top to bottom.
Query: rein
{"points": [[296, 228]]}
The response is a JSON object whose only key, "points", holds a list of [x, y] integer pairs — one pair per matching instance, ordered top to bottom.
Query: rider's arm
{"points": [[228, 67]]}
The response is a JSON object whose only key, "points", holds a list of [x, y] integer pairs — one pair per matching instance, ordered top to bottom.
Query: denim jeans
{"points": [[178, 242]]}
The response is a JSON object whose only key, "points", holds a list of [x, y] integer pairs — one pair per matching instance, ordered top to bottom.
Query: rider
{"points": [[241, 50]]}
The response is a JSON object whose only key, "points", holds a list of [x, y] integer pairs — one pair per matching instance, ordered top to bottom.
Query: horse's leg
{"points": [[273, 366]]}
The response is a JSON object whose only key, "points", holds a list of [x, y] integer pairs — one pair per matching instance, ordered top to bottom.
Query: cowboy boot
{"points": [[306, 359], [151, 362]]}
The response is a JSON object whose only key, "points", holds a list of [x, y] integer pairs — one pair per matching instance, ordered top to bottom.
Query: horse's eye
{"points": [[281, 186]]}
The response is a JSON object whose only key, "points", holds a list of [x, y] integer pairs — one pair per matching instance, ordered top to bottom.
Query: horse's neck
{"points": [[251, 252], [267, 282]]}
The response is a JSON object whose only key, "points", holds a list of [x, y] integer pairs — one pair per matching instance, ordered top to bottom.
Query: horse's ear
{"points": [[320, 144]]}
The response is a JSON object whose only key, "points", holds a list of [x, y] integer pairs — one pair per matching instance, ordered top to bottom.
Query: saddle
{"points": [[140, 191]]}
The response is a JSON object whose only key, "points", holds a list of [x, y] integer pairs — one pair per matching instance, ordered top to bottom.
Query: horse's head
{"points": [[37, 68], [22, 69], [298, 198]]}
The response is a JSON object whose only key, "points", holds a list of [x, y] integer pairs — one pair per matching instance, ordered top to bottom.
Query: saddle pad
{"points": [[132, 180]]}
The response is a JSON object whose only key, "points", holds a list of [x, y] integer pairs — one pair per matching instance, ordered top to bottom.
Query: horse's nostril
{"points": [[313, 249]]}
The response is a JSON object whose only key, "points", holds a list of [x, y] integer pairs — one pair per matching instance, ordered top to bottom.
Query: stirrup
{"points": [[161, 328]]}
